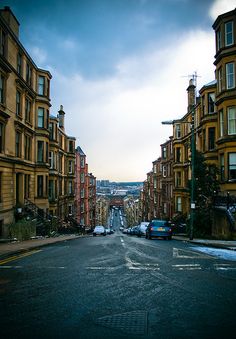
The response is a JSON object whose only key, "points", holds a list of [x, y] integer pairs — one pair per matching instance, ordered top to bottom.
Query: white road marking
{"points": [[122, 242], [132, 265], [187, 267], [224, 267], [100, 268]]}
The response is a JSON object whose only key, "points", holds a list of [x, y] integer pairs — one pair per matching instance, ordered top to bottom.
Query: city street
{"points": [[118, 286]]}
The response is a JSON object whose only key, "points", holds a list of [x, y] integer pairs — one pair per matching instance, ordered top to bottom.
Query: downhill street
{"points": [[118, 286]]}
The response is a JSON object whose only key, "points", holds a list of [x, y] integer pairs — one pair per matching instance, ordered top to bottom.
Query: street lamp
{"points": [[192, 200]]}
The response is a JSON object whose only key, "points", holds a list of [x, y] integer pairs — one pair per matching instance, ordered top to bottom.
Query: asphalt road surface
{"points": [[118, 286]]}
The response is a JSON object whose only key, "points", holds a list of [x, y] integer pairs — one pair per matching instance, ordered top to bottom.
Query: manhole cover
{"points": [[134, 322]]}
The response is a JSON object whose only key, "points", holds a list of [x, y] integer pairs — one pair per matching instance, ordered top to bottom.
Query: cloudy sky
{"points": [[119, 68]]}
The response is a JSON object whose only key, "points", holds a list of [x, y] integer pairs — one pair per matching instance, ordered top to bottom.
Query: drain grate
{"points": [[134, 322]]}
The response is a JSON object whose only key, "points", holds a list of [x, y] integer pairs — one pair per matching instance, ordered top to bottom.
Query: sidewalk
{"points": [[225, 244], [9, 248]]}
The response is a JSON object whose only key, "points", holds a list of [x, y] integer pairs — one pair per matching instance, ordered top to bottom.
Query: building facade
{"points": [[212, 115], [24, 119], [37, 157], [85, 192]]}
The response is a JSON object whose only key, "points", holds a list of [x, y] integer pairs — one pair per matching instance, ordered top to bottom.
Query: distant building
{"points": [[85, 192]]}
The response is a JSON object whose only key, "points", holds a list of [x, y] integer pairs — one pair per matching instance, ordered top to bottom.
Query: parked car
{"points": [[159, 228], [180, 228], [142, 229], [99, 230], [134, 230]]}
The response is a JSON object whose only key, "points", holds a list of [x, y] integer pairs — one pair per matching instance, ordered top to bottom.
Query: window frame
{"points": [[228, 33], [19, 63], [230, 75], [41, 85], [2, 89], [18, 103], [28, 110], [40, 117], [221, 123], [231, 129], [2, 136], [18, 140], [27, 147], [40, 151], [232, 165], [40, 186]]}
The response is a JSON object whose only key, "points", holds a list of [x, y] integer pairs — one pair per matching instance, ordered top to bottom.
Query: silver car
{"points": [[99, 230]]}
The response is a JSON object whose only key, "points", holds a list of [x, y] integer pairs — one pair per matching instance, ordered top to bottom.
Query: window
{"points": [[229, 37], [218, 40], [2, 43], [19, 63], [28, 74], [220, 76], [230, 78], [41, 85], [2, 89], [211, 102], [18, 103], [203, 105], [27, 110], [40, 117], [231, 120], [221, 123], [51, 131], [177, 131], [1, 137], [211, 138], [18, 144], [71, 146], [28, 147], [40, 151], [47, 152], [164, 152], [178, 154], [51, 156], [60, 162], [82, 162], [70, 166], [232, 166], [222, 167], [164, 171], [82, 178], [178, 179], [27, 185], [0, 186], [40, 186], [50, 190], [70, 190], [82, 193], [178, 204], [82, 208], [70, 209]]}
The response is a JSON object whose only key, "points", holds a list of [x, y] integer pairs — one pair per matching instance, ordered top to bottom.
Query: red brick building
{"points": [[85, 191]]}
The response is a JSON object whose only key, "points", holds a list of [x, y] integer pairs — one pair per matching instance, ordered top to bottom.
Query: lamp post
{"points": [[192, 196]]}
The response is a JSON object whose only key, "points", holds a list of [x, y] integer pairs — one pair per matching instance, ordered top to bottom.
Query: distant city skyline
{"points": [[119, 68]]}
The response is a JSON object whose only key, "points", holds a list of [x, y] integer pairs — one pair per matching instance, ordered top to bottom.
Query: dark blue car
{"points": [[159, 228]]}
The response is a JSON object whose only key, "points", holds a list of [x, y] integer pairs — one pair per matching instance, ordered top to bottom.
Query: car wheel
{"points": [[94, 234], [149, 237], [170, 237]]}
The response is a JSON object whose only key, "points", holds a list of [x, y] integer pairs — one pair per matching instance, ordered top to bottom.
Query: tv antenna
{"points": [[193, 76]]}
